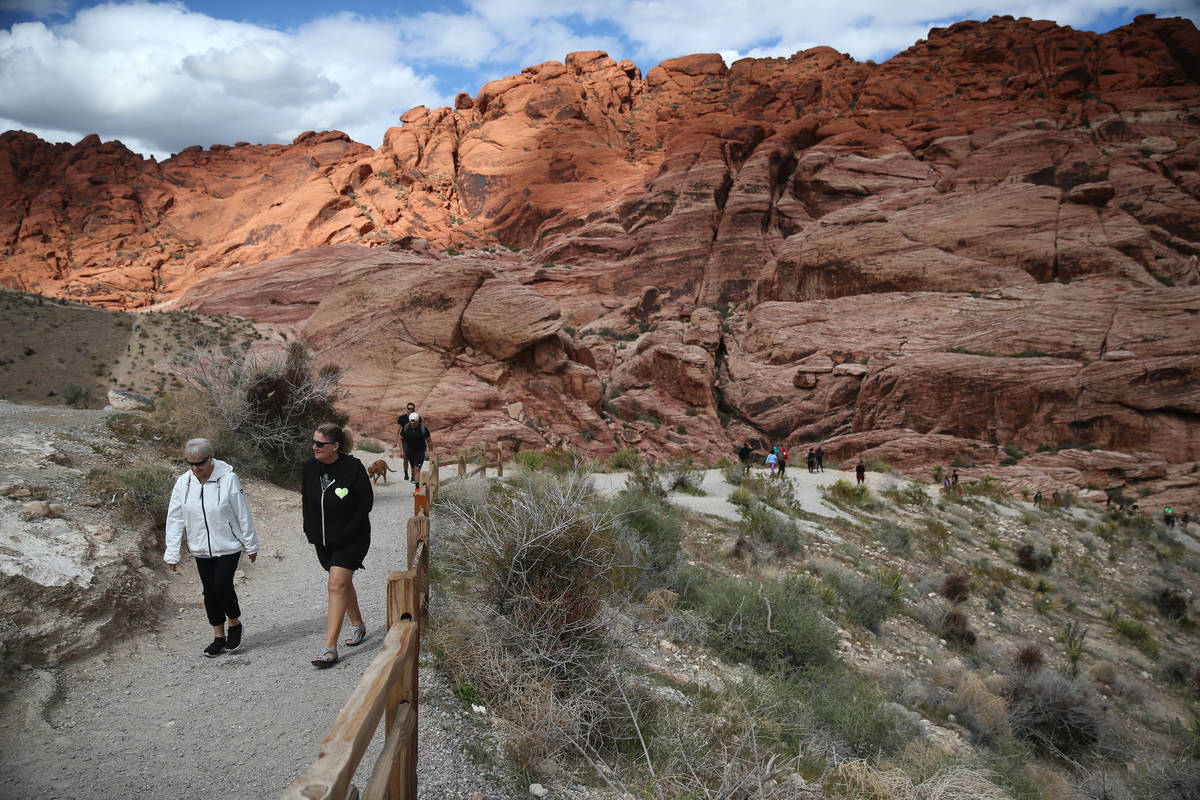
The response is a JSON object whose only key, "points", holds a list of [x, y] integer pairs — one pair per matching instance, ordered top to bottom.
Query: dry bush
{"points": [[258, 411], [1033, 558], [539, 559], [956, 588], [1171, 603], [956, 628], [1028, 658], [984, 713], [1059, 715], [861, 781]]}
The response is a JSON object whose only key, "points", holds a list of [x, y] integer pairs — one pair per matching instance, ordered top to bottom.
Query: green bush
{"points": [[76, 396], [371, 446], [625, 458], [530, 460], [682, 474], [141, 491], [843, 492], [780, 495], [741, 497], [658, 525], [770, 526], [896, 538], [868, 600], [777, 624], [1134, 631], [855, 712]]}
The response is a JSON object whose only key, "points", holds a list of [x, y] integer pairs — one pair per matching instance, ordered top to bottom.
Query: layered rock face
{"points": [[989, 240]]}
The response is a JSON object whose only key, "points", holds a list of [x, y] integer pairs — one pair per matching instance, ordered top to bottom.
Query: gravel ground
{"points": [[149, 717]]}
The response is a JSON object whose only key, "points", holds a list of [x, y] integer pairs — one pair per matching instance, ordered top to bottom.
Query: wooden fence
{"points": [[388, 687]]}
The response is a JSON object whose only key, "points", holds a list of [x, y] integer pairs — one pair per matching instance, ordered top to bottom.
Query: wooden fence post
{"points": [[499, 459], [462, 462], [403, 604]]}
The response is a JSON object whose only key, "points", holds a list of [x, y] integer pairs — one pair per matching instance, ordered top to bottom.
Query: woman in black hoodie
{"points": [[337, 498]]}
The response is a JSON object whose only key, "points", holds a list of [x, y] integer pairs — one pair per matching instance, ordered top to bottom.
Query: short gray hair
{"points": [[198, 448]]}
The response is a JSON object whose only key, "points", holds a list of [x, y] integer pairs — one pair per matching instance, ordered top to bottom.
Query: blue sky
{"points": [[161, 76]]}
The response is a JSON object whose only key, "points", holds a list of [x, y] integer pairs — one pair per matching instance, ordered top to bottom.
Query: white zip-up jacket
{"points": [[212, 514]]}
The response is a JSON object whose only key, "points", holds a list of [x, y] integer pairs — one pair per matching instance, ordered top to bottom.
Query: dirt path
{"points": [[154, 719]]}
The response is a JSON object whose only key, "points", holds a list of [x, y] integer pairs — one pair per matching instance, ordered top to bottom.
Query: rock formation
{"points": [[987, 244]]}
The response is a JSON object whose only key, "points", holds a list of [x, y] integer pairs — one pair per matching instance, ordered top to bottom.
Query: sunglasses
{"points": [[321, 444], [199, 463]]}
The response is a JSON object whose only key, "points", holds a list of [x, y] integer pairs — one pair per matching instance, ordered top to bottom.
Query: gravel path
{"points": [[151, 718]]}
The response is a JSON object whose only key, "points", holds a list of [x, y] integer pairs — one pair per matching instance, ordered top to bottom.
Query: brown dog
{"points": [[378, 470]]}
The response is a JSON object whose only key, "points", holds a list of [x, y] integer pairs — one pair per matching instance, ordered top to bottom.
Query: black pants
{"points": [[216, 575]]}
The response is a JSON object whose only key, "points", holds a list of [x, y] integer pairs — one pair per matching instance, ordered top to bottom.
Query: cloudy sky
{"points": [[161, 76]]}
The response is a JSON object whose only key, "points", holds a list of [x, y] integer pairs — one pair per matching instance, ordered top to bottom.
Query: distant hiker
{"points": [[402, 421], [416, 444], [820, 454], [743, 455], [811, 458], [783, 459], [772, 460], [860, 471], [954, 478], [1056, 498], [1037, 499], [336, 500], [209, 507], [1169, 517]]}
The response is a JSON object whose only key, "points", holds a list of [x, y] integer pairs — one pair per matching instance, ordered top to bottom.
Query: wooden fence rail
{"points": [[388, 689]]}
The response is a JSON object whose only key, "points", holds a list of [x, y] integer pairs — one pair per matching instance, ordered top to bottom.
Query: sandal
{"points": [[357, 634], [327, 658]]}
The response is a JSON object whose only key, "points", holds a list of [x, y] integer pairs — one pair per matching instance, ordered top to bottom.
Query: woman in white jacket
{"points": [[209, 507]]}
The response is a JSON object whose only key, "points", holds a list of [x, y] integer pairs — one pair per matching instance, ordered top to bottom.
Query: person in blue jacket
{"points": [[336, 500], [209, 507]]}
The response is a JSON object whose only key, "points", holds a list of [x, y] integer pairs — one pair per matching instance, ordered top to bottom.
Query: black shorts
{"points": [[348, 556]]}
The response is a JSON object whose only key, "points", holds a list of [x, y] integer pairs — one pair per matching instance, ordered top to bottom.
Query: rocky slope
{"points": [[989, 241]]}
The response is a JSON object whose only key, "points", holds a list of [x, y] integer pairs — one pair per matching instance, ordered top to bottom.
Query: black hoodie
{"points": [[336, 513]]}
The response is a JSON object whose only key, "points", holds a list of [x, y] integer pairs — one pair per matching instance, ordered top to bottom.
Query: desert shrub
{"points": [[76, 396], [258, 412], [371, 445], [625, 458], [530, 460], [562, 460], [733, 472], [682, 474], [645, 479], [141, 491], [843, 492], [780, 495], [912, 495], [741, 497], [658, 525], [770, 526], [896, 538], [1034, 558], [538, 559], [689, 582], [956, 588], [869, 601], [1171, 603], [776, 624], [955, 627], [1136, 632], [1028, 658], [1178, 672], [854, 711], [984, 713], [1057, 714], [1179, 780], [862, 781]]}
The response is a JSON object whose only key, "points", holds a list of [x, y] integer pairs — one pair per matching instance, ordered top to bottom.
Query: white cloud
{"points": [[161, 77], [165, 78]]}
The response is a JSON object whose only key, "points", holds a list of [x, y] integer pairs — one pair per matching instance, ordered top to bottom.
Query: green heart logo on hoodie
{"points": [[341, 492]]}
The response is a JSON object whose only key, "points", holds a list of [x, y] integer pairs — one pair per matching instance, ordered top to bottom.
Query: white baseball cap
{"points": [[413, 417]]}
